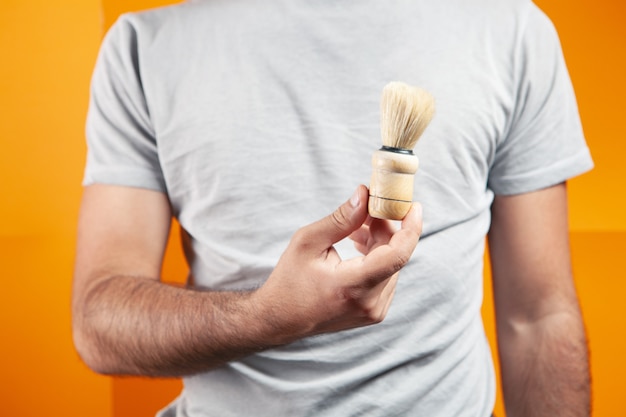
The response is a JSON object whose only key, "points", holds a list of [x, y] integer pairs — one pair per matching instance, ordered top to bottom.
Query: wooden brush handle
{"points": [[391, 185]]}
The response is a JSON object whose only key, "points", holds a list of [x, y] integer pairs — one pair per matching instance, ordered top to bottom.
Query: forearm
{"points": [[125, 324], [129, 325], [541, 337], [545, 368]]}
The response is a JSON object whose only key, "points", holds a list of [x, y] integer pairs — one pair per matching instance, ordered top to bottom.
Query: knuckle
{"points": [[339, 219], [301, 238], [400, 260], [369, 310], [374, 314], [377, 317]]}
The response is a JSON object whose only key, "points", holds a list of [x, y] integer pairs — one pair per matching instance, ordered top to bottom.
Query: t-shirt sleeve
{"points": [[121, 141], [545, 144]]}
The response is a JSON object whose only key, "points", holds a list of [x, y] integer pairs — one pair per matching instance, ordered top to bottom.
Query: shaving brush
{"points": [[405, 113]]}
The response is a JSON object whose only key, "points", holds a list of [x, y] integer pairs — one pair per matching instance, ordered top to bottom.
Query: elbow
{"points": [[89, 332], [88, 348], [87, 352]]}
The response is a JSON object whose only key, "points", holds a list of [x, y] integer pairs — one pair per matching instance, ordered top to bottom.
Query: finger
{"points": [[340, 224], [411, 226], [381, 232], [361, 236], [367, 237], [361, 247], [394, 255], [387, 259], [389, 292], [379, 298]]}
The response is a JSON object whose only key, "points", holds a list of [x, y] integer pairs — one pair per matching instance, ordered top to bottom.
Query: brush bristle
{"points": [[405, 113]]}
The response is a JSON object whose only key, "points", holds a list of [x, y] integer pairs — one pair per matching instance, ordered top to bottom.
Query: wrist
{"points": [[275, 324]]}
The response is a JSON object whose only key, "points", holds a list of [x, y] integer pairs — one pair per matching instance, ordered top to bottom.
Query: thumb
{"points": [[342, 222]]}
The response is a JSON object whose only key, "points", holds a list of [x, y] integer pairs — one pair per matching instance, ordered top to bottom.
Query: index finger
{"points": [[385, 260]]}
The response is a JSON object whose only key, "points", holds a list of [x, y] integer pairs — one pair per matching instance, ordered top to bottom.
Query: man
{"points": [[248, 120]]}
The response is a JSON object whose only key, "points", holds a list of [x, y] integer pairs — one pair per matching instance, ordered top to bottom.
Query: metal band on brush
{"points": [[397, 150]]}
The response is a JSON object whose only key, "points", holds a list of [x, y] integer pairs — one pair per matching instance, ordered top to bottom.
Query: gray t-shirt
{"points": [[259, 117]]}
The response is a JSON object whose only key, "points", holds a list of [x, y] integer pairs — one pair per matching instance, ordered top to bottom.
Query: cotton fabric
{"points": [[259, 117]]}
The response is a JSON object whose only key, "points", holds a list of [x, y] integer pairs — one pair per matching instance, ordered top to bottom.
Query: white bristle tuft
{"points": [[405, 113]]}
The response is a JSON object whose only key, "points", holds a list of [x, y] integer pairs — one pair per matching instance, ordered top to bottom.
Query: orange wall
{"points": [[593, 35], [48, 51]]}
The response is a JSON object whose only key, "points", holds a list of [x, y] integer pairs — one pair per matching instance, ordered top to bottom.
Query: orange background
{"points": [[48, 49]]}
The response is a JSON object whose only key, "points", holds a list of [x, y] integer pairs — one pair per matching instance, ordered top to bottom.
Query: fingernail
{"points": [[355, 199]]}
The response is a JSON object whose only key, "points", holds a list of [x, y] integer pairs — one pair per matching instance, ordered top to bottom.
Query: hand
{"points": [[312, 290]]}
